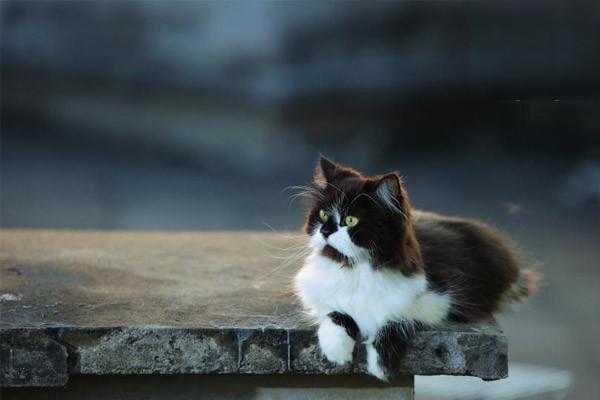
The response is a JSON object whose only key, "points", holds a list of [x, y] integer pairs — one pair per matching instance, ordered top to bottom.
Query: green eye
{"points": [[324, 217], [351, 221]]}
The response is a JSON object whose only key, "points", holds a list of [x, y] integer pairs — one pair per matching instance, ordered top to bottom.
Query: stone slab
{"points": [[98, 303], [32, 358]]}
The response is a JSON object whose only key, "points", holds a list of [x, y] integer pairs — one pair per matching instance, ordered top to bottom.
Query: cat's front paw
{"points": [[335, 343], [374, 364]]}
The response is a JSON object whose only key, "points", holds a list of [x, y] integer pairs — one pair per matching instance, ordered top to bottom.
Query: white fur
{"points": [[340, 240], [317, 241], [372, 297], [335, 343], [373, 366]]}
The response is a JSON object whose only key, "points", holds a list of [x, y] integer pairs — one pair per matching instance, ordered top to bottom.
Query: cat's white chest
{"points": [[371, 297]]}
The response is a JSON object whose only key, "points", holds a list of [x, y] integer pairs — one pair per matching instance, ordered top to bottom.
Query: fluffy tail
{"points": [[526, 285]]}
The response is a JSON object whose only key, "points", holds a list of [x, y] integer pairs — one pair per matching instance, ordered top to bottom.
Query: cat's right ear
{"points": [[325, 171], [389, 190]]}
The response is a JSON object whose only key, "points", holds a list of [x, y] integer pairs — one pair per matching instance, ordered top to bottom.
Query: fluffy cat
{"points": [[380, 270]]}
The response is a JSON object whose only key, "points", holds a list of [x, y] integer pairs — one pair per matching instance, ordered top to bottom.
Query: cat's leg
{"points": [[337, 336], [388, 347]]}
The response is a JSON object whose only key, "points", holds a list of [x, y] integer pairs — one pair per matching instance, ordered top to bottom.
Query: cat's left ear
{"points": [[325, 171], [389, 191]]}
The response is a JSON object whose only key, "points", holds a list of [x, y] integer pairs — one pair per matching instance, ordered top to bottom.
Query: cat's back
{"points": [[439, 235], [468, 259]]}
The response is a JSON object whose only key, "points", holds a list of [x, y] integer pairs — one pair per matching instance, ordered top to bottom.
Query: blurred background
{"points": [[184, 115]]}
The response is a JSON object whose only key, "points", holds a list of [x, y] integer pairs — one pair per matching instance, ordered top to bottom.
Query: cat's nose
{"points": [[328, 228]]}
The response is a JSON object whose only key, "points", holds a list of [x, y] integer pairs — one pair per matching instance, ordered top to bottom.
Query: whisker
{"points": [[332, 185], [309, 192], [369, 196], [298, 237], [288, 261]]}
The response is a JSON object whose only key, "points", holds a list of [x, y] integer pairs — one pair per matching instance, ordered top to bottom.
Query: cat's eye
{"points": [[323, 215], [351, 221]]}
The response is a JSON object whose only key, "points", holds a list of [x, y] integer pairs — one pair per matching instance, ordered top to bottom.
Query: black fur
{"points": [[386, 232], [335, 255], [468, 260], [346, 322], [392, 342]]}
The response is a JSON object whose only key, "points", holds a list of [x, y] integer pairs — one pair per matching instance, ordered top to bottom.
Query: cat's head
{"points": [[355, 217]]}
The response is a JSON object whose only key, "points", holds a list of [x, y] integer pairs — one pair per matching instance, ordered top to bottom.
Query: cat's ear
{"points": [[325, 171], [389, 191]]}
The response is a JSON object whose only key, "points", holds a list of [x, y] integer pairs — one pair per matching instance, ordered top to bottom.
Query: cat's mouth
{"points": [[331, 252]]}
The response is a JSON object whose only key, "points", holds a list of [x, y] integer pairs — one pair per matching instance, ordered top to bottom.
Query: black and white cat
{"points": [[379, 270]]}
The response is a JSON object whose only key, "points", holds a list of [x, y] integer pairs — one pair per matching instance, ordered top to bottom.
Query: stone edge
{"points": [[39, 357]]}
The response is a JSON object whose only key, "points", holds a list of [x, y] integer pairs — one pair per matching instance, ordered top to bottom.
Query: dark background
{"points": [[198, 115]]}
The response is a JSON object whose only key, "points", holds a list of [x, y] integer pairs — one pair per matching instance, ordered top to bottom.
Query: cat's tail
{"points": [[527, 284]]}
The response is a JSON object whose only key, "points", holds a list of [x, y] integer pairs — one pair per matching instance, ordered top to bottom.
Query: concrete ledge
{"points": [[207, 303], [32, 358]]}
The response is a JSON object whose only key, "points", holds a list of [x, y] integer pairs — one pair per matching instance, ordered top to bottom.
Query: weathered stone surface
{"points": [[181, 303], [152, 350], [473, 350], [264, 352], [31, 358], [306, 358]]}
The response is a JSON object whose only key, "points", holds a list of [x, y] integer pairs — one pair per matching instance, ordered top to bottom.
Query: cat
{"points": [[380, 271]]}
